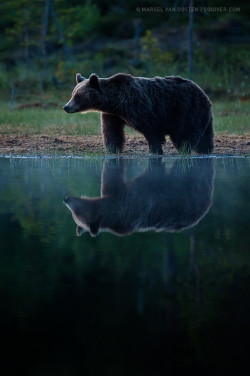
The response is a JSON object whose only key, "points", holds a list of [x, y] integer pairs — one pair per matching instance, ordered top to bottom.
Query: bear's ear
{"points": [[79, 78], [94, 81], [79, 230]]}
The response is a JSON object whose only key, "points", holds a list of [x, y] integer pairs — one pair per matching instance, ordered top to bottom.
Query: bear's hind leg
{"points": [[113, 132], [206, 142], [155, 143], [185, 143], [181, 144]]}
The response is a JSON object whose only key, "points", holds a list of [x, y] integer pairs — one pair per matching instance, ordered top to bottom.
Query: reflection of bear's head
{"points": [[156, 200], [85, 212]]}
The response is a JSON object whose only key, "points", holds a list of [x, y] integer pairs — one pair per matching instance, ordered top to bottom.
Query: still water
{"points": [[144, 268]]}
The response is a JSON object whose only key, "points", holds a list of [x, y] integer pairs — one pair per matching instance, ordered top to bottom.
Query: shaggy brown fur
{"points": [[155, 107]]}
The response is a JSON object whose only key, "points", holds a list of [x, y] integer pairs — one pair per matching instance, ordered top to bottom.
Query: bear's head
{"points": [[86, 96], [86, 214]]}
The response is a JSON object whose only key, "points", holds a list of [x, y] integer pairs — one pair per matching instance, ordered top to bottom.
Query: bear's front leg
{"points": [[113, 132], [155, 143], [113, 180]]}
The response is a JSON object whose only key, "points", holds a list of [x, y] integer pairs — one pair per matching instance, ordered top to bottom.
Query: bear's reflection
{"points": [[158, 199]]}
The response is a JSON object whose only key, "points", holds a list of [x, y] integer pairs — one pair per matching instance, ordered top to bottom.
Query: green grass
{"points": [[230, 117], [48, 121]]}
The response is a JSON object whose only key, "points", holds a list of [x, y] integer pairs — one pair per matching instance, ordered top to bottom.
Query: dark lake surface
{"points": [[152, 275]]}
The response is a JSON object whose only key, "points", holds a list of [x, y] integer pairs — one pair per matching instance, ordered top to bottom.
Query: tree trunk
{"points": [[45, 20], [60, 34], [137, 34], [190, 38], [26, 45], [12, 94]]}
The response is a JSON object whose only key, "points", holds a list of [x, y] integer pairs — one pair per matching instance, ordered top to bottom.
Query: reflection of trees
{"points": [[160, 297]]}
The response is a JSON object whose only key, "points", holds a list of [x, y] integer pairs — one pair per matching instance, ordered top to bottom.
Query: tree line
{"points": [[52, 36]]}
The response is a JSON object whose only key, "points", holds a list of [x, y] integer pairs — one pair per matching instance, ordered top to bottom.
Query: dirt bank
{"points": [[23, 144]]}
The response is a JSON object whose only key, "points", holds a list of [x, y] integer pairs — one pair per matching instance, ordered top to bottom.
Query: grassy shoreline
{"points": [[229, 117], [50, 131], [135, 146]]}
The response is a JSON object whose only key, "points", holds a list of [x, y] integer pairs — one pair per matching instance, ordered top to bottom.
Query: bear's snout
{"points": [[70, 107], [66, 108]]}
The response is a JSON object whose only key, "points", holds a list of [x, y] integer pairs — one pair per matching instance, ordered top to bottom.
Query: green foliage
{"points": [[18, 18], [80, 21], [103, 38], [154, 59], [66, 71], [223, 71]]}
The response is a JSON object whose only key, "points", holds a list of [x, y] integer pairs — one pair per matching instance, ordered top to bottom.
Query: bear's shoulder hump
{"points": [[121, 78], [177, 79]]}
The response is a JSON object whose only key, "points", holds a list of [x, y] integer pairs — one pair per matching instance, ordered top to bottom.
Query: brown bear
{"points": [[155, 107], [157, 200]]}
